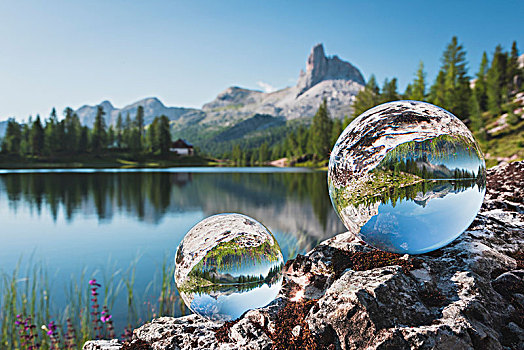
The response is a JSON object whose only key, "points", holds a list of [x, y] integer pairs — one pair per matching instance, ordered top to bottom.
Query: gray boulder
{"points": [[345, 295]]}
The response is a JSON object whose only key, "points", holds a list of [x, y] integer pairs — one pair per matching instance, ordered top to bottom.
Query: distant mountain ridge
{"points": [[328, 78], [153, 107], [247, 111]]}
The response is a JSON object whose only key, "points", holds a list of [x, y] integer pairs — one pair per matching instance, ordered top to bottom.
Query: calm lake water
{"points": [[104, 221]]}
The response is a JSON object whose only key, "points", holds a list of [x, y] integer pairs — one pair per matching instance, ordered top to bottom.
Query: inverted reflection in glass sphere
{"points": [[407, 176], [226, 265]]}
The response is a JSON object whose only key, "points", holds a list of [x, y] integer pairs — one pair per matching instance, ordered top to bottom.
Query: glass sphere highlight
{"points": [[407, 177], [226, 265]]}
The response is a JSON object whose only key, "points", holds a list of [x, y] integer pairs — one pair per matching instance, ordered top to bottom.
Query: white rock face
{"points": [[320, 68], [328, 78]]}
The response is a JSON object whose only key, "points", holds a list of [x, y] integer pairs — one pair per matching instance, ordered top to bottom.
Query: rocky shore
{"points": [[345, 295]]}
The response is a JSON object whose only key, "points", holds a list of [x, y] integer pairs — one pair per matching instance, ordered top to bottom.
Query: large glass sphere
{"points": [[407, 177], [226, 265]]}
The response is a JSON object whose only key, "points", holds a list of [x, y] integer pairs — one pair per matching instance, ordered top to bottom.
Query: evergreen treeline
{"points": [[498, 79], [495, 85], [68, 137], [304, 143], [395, 195]]}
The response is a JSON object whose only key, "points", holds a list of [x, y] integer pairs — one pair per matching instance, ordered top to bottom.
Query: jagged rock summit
{"points": [[319, 68], [329, 78], [345, 295]]}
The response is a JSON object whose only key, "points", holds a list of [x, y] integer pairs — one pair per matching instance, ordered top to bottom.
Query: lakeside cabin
{"points": [[182, 147]]}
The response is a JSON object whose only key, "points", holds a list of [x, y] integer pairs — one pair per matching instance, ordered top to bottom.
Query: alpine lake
{"points": [[122, 227], [62, 228]]}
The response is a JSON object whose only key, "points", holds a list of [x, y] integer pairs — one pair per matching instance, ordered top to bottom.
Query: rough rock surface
{"points": [[319, 68], [329, 78], [345, 295]]}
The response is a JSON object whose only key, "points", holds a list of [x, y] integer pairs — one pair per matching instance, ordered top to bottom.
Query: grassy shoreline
{"points": [[104, 161], [25, 294]]}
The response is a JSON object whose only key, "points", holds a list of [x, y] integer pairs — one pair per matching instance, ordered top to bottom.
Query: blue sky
{"points": [[69, 53]]}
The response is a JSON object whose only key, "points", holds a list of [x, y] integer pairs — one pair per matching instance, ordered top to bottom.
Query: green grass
{"points": [[507, 143], [105, 160], [28, 293]]}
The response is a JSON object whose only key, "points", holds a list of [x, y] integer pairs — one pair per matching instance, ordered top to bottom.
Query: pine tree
{"points": [[513, 72], [456, 81], [496, 82], [480, 84], [437, 90], [389, 91], [418, 91], [408, 92], [367, 98], [475, 114], [139, 121], [119, 130], [320, 131], [336, 131], [71, 133], [126, 134], [163, 135], [60, 136], [111, 136], [302, 136], [37, 137], [99, 137], [12, 138], [152, 140], [83, 142], [51, 143], [135, 143], [25, 144], [291, 145], [263, 152], [276, 152], [236, 154], [253, 158]]}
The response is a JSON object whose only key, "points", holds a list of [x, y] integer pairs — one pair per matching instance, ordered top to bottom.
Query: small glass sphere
{"points": [[407, 177], [226, 265]]}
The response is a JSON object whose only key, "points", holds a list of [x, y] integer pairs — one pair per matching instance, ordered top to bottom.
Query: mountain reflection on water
{"points": [[419, 197], [291, 203], [110, 222], [228, 257], [225, 296], [229, 302]]}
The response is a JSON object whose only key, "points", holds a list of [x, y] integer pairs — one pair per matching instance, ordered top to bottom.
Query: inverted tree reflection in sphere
{"points": [[407, 176], [226, 265]]}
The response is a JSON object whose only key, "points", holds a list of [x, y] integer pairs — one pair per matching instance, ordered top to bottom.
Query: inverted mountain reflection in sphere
{"points": [[407, 176], [226, 265]]}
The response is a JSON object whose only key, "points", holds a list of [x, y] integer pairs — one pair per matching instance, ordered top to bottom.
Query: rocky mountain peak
{"points": [[319, 67], [148, 103], [106, 105]]}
